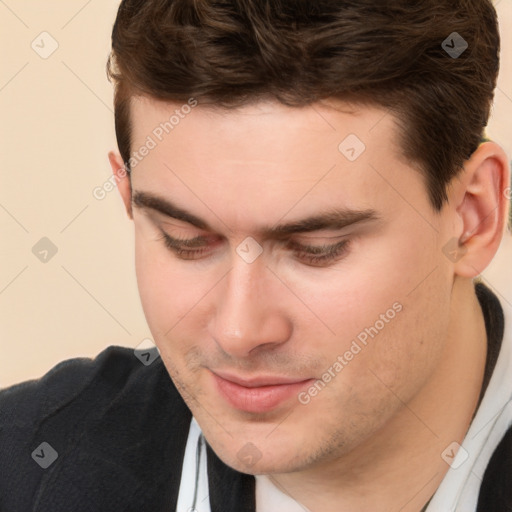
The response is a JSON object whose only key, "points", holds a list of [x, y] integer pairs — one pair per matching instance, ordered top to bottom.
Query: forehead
{"points": [[270, 121], [268, 132], [264, 159]]}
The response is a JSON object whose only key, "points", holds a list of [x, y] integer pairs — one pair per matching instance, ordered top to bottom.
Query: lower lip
{"points": [[260, 399]]}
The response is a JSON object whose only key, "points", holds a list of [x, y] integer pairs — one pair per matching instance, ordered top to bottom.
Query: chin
{"points": [[255, 457], [257, 466]]}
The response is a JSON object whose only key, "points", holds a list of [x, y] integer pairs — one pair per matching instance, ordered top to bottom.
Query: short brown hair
{"points": [[389, 54]]}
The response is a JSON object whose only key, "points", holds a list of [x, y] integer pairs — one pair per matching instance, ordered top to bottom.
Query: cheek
{"points": [[166, 292], [347, 298], [380, 311]]}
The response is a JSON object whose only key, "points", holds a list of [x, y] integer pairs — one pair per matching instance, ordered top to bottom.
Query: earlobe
{"points": [[122, 179], [483, 209]]}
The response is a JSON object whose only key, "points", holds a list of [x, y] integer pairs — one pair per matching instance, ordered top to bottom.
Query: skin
{"points": [[372, 438]]}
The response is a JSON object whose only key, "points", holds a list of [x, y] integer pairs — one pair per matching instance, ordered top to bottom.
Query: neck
{"points": [[401, 466]]}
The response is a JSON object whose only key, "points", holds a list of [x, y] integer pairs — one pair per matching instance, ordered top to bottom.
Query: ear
{"points": [[123, 181], [483, 210]]}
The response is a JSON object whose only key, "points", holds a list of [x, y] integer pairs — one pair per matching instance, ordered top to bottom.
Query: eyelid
{"points": [[179, 224], [305, 238], [200, 240], [197, 241], [315, 249], [318, 256]]}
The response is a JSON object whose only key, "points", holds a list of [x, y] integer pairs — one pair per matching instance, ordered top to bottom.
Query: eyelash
{"points": [[314, 255]]}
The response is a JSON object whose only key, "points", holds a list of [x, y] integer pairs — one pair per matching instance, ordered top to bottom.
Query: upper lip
{"points": [[258, 381]]}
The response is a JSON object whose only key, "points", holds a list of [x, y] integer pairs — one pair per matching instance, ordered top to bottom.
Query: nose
{"points": [[250, 312]]}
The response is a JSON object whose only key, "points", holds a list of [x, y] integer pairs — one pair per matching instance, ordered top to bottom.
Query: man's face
{"points": [[291, 347]]}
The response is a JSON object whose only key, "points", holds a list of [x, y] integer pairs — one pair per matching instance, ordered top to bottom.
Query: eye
{"points": [[177, 245], [315, 255], [319, 255]]}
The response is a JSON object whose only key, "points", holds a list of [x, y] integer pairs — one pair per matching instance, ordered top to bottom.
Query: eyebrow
{"points": [[333, 219]]}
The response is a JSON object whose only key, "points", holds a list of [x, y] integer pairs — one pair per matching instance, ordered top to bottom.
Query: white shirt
{"points": [[189, 473]]}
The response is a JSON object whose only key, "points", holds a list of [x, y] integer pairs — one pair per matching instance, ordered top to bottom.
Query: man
{"points": [[313, 201]]}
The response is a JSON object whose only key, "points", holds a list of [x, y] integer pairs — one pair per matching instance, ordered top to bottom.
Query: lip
{"points": [[258, 394]]}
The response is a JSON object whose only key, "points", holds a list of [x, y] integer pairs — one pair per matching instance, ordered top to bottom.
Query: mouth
{"points": [[259, 394]]}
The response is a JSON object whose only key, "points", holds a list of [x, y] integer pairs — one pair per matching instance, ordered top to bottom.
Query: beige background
{"points": [[56, 128]]}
